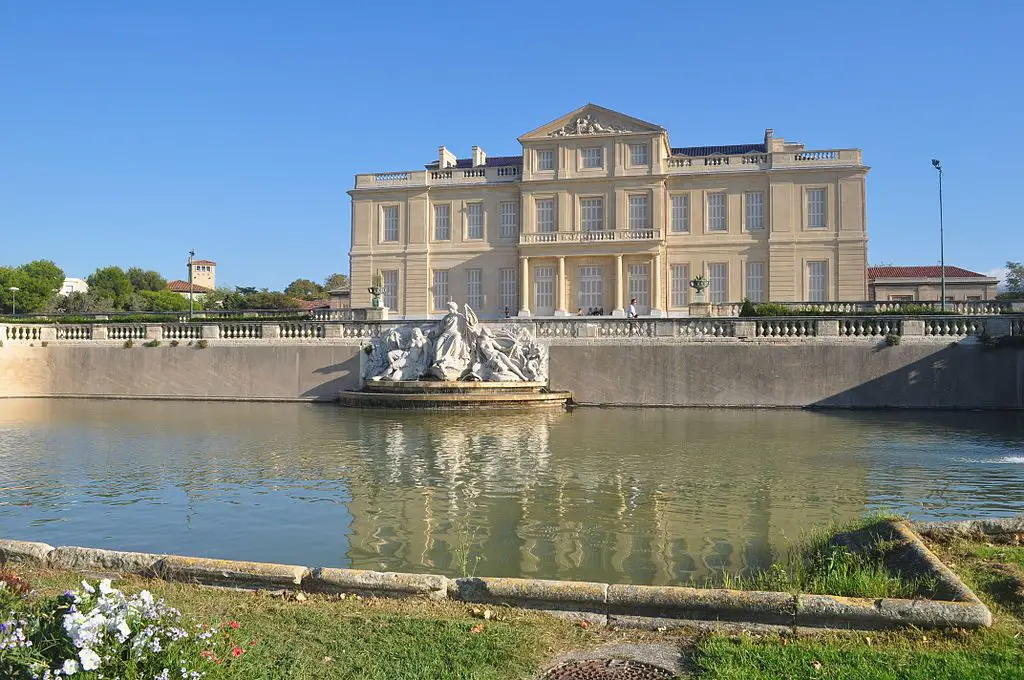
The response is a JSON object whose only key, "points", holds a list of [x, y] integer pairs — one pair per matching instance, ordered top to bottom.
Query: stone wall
{"points": [[864, 375]]}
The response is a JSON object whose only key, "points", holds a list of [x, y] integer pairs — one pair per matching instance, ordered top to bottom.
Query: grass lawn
{"points": [[328, 637]]}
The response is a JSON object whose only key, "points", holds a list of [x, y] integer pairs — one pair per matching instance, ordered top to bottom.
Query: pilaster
{"points": [[524, 287], [560, 289], [620, 309]]}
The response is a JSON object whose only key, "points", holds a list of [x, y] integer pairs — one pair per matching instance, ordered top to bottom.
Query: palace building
{"points": [[601, 208]]}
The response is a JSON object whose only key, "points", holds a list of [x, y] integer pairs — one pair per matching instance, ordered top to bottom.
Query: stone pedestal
{"points": [[1017, 307], [700, 309], [377, 314], [996, 326], [912, 327], [829, 328], [664, 329], [744, 329], [271, 330], [332, 330], [154, 331], [211, 331], [99, 332], [47, 333]]}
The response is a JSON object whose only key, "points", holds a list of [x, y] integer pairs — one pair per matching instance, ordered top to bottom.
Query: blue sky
{"points": [[133, 131]]}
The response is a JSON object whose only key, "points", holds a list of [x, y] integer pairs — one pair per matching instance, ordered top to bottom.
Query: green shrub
{"points": [[748, 308], [773, 309], [892, 339], [151, 343], [174, 343], [128, 344], [202, 344]]}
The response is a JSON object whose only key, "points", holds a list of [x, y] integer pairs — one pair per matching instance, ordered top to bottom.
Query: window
{"points": [[638, 154], [592, 157], [546, 159], [816, 208], [755, 210], [716, 212], [681, 213], [390, 214], [592, 214], [639, 214], [546, 216], [509, 219], [474, 220], [442, 222], [718, 277], [509, 281], [755, 281], [817, 281], [680, 285], [639, 287], [475, 288], [591, 288], [389, 289], [544, 290], [441, 296], [901, 298], [973, 298]]}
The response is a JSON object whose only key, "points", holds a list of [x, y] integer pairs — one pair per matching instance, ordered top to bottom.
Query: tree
{"points": [[1015, 277], [146, 279], [336, 282], [37, 283], [113, 283], [304, 289], [164, 300], [269, 300], [78, 302]]}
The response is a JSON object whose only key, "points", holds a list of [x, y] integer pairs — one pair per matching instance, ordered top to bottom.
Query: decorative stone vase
{"points": [[699, 285], [375, 292]]}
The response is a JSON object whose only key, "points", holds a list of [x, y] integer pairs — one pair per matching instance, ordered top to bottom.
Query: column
{"points": [[619, 286], [524, 288], [560, 289], [656, 307]]}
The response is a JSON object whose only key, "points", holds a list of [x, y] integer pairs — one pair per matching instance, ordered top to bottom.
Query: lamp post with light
{"points": [[942, 250], [191, 254], [14, 300]]}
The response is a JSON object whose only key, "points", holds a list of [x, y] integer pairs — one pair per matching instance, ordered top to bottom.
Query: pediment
{"points": [[590, 120]]}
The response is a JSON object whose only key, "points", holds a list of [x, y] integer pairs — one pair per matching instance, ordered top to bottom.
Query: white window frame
{"points": [[639, 155], [592, 158], [545, 160], [817, 197], [679, 205], [753, 206], [509, 211], [712, 211], [639, 212], [592, 213], [547, 215], [474, 221], [390, 222], [443, 222], [638, 278], [544, 280], [754, 281], [508, 282], [680, 285], [718, 286], [591, 287], [475, 288], [389, 289], [816, 293], [441, 294]]}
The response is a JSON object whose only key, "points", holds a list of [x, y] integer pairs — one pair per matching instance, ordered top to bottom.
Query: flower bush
{"points": [[100, 633]]}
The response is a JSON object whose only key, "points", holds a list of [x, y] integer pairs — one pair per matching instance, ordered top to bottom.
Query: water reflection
{"points": [[651, 496]]}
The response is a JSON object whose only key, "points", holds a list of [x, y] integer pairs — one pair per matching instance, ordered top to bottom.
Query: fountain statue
{"points": [[456, 348]]}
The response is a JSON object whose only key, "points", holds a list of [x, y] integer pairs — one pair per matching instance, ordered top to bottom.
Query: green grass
{"points": [[1002, 553], [326, 637]]}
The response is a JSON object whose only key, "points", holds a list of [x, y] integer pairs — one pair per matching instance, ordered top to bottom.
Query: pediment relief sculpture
{"points": [[587, 125]]}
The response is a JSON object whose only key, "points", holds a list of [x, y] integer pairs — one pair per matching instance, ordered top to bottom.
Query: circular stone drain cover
{"points": [[607, 669]]}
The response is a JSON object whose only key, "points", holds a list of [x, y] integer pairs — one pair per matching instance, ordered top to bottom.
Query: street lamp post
{"points": [[942, 250], [191, 254], [14, 300]]}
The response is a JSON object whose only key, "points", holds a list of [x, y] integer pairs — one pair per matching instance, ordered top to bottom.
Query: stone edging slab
{"points": [[628, 606]]}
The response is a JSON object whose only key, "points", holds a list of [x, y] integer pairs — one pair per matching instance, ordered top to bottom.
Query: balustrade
{"points": [[391, 177], [590, 236], [1017, 326], [953, 327], [625, 328], [704, 328], [785, 328], [870, 328], [558, 329], [301, 330], [181, 331], [240, 331], [74, 332], [126, 332], [22, 333]]}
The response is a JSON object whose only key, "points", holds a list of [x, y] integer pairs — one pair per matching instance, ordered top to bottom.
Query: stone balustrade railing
{"points": [[589, 236], [800, 328]]}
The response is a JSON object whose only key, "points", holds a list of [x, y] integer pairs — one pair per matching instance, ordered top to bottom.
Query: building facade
{"points": [[600, 209], [907, 284]]}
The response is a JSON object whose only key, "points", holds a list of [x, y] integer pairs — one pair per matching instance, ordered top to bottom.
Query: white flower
{"points": [[105, 587], [88, 588], [123, 629], [90, 660], [70, 667]]}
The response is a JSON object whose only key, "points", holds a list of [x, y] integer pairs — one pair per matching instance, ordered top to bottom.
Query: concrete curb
{"points": [[1005, 530], [627, 606]]}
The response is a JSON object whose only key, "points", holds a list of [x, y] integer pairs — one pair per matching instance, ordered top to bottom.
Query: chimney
{"points": [[479, 157], [446, 159]]}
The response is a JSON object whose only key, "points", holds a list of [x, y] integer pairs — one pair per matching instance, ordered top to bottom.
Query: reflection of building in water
{"points": [[653, 498]]}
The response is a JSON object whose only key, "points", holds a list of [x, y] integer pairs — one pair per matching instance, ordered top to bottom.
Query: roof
{"points": [[727, 149], [490, 162], [210, 262], [922, 272], [183, 287], [312, 304]]}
